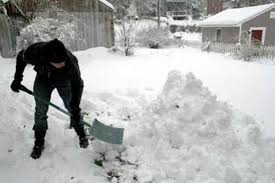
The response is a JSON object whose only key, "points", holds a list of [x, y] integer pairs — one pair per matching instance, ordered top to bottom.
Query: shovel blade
{"points": [[106, 133]]}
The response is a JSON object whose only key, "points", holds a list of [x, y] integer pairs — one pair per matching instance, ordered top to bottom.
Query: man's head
{"points": [[56, 53]]}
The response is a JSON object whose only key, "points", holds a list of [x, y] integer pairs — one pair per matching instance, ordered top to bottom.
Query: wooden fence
{"points": [[244, 51]]}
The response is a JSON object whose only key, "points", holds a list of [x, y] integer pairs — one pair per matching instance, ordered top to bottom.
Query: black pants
{"points": [[43, 89]]}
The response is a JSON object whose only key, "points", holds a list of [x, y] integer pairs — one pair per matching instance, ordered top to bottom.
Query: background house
{"points": [[178, 9], [182, 9], [182, 15], [96, 17], [250, 25]]}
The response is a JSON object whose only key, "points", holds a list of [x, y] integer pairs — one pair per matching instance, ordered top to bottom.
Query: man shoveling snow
{"points": [[58, 68]]}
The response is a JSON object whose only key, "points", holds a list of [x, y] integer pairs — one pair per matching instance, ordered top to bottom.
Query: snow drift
{"points": [[186, 135]]}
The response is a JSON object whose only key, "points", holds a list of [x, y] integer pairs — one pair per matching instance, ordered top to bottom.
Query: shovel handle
{"points": [[25, 89], [95, 131]]}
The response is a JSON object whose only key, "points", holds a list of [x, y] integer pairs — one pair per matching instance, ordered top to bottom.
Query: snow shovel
{"points": [[98, 130]]}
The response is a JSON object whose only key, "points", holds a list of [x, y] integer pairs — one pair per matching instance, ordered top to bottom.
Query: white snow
{"points": [[234, 17], [171, 21], [188, 36], [171, 104]]}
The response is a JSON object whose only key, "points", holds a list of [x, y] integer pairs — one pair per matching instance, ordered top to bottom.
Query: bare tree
{"points": [[121, 7], [146, 8], [125, 25], [126, 36]]}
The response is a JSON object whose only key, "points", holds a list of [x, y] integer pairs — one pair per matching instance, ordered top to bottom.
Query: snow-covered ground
{"points": [[171, 21], [195, 37], [189, 116]]}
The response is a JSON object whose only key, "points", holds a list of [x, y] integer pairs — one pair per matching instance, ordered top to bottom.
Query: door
{"points": [[218, 35], [256, 37]]}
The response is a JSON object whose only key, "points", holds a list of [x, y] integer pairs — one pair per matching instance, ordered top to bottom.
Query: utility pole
{"points": [[159, 13]]}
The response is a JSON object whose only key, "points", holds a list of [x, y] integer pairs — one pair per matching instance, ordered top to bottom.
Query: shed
{"points": [[95, 15], [249, 25]]}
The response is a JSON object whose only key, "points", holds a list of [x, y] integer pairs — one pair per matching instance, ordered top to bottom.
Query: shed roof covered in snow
{"points": [[107, 4], [235, 17]]}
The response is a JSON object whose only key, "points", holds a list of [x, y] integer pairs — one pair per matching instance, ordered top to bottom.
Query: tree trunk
{"points": [[159, 13]]}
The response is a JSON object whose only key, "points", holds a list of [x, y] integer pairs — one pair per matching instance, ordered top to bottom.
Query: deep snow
{"points": [[176, 129]]}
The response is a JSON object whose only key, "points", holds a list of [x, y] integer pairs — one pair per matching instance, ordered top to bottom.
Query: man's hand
{"points": [[15, 85]]}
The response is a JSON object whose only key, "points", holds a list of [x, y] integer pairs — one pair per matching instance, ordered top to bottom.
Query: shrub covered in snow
{"points": [[54, 23], [131, 33], [155, 37]]}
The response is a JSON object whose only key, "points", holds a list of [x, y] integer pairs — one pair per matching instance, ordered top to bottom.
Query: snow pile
{"points": [[186, 135]]}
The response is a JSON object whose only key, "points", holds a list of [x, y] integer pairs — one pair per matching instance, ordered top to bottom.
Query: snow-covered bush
{"points": [[54, 23], [132, 33], [155, 37], [247, 53], [250, 53]]}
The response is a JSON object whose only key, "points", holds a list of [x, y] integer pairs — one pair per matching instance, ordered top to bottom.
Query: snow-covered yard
{"points": [[246, 86], [189, 116]]}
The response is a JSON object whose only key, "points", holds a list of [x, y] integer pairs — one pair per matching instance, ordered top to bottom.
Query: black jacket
{"points": [[38, 56]]}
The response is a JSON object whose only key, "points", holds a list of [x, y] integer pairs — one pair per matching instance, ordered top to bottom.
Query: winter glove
{"points": [[15, 85]]}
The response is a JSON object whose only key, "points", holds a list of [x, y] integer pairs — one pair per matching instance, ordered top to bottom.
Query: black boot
{"points": [[83, 139], [83, 142], [38, 144], [37, 151]]}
